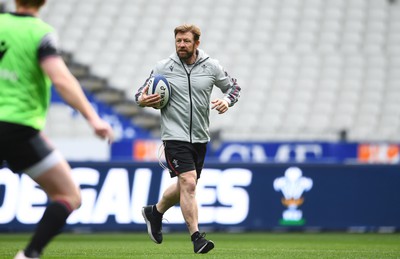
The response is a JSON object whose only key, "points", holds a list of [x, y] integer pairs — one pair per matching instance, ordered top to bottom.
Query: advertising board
{"points": [[230, 196]]}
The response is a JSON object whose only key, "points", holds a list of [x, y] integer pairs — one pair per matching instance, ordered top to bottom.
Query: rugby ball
{"points": [[159, 84]]}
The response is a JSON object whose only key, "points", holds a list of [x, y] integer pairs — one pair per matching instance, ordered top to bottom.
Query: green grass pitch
{"points": [[228, 245]]}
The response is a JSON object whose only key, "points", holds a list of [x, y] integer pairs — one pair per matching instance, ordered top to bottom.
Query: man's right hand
{"points": [[148, 100]]}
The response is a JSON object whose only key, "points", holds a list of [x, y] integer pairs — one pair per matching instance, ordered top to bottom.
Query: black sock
{"points": [[156, 213], [53, 220], [195, 236]]}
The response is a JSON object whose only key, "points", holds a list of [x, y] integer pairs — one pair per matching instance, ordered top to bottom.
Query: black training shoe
{"points": [[154, 225], [202, 245]]}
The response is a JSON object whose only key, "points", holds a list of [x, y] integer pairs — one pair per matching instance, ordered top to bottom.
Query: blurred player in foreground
{"points": [[29, 62], [192, 75]]}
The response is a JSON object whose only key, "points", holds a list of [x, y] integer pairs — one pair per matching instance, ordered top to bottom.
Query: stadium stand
{"points": [[310, 69]]}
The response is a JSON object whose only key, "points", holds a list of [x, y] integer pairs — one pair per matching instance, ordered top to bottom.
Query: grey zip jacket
{"points": [[186, 116]]}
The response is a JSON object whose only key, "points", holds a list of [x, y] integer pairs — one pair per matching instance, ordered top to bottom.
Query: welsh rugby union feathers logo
{"points": [[292, 186]]}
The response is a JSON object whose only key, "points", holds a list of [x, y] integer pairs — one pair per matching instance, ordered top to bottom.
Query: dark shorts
{"points": [[21, 147], [183, 157]]}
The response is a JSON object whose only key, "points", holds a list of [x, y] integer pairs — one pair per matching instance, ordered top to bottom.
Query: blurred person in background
{"points": [[29, 63], [192, 75]]}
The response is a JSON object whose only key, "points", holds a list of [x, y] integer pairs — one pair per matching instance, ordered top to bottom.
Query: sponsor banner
{"points": [[145, 150], [150, 150], [284, 152], [308, 152], [378, 153], [235, 196]]}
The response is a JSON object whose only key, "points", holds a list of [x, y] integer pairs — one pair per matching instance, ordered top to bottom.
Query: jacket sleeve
{"points": [[228, 86], [139, 91]]}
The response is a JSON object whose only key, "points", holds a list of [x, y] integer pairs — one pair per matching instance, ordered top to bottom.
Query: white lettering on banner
{"points": [[245, 152], [300, 152], [257, 153], [85, 176], [216, 185], [140, 193], [230, 194], [207, 195], [113, 198], [24, 201], [9, 206], [28, 211], [174, 214]]}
